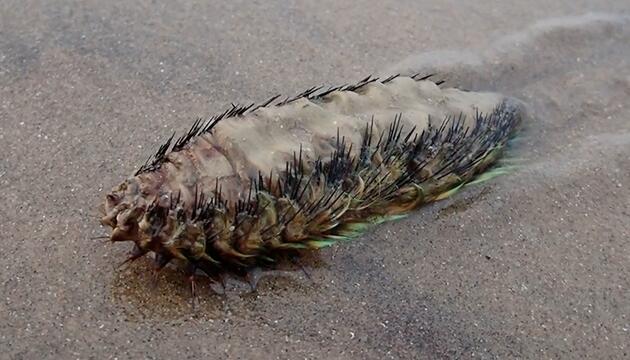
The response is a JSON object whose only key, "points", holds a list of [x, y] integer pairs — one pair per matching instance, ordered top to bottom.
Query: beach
{"points": [[533, 264]]}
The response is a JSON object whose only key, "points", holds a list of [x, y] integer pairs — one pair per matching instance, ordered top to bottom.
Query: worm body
{"points": [[255, 182]]}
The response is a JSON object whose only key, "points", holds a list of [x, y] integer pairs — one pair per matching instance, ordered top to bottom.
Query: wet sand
{"points": [[531, 265]]}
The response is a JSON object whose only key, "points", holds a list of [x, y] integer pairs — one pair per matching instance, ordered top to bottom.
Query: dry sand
{"points": [[531, 265]]}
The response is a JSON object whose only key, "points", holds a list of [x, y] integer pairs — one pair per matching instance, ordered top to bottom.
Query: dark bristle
{"points": [[418, 78], [390, 79]]}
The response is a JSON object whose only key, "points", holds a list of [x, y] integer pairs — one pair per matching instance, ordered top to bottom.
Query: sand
{"points": [[531, 265]]}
